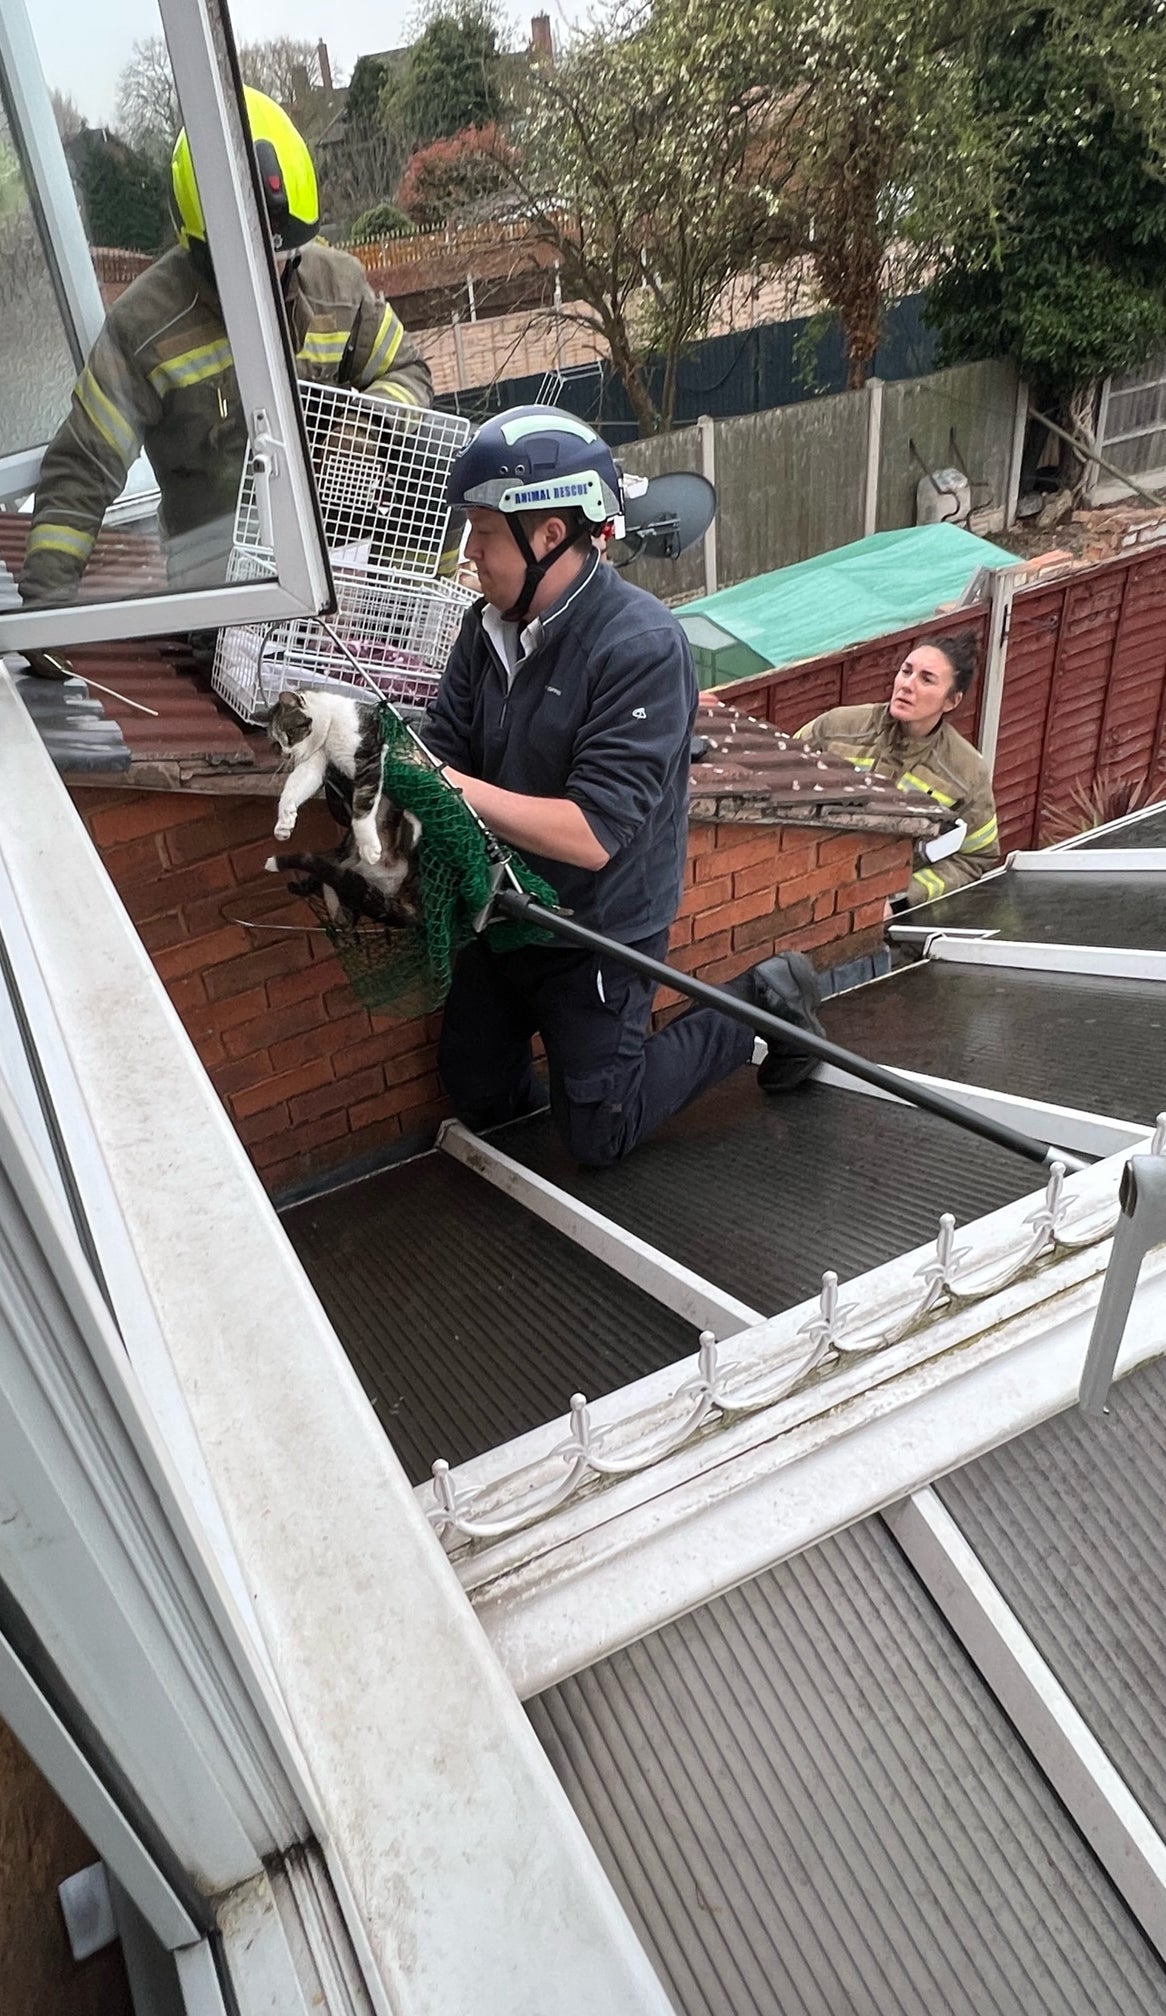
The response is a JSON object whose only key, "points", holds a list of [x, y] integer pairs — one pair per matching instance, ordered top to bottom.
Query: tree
{"points": [[282, 68], [450, 81], [148, 113], [67, 115], [654, 162], [363, 167], [450, 179], [123, 193], [381, 220], [1052, 244]]}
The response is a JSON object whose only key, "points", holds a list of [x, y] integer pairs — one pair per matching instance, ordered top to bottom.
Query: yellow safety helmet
{"points": [[285, 170]]}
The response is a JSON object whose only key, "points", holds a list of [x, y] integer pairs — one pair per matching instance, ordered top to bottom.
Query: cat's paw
{"points": [[285, 828], [371, 852], [271, 865]]}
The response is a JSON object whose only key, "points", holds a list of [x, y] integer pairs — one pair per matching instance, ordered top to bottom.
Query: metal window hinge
{"points": [[266, 450]]}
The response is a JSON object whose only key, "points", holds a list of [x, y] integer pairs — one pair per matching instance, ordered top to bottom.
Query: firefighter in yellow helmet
{"points": [[161, 376]]}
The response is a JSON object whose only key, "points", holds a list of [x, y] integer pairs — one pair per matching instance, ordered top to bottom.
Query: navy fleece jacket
{"points": [[601, 712]]}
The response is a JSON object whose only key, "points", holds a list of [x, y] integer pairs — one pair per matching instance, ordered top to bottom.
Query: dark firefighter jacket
{"points": [[160, 376]]}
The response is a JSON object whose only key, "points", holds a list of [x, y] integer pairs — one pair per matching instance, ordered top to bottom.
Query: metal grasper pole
{"points": [[523, 908]]}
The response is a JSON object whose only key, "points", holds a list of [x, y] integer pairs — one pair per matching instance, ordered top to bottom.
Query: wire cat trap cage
{"points": [[381, 471], [389, 638]]}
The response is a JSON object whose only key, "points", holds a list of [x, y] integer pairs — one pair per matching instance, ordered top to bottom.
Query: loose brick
{"points": [[145, 812], [199, 955], [237, 975], [286, 1085], [341, 1092]]}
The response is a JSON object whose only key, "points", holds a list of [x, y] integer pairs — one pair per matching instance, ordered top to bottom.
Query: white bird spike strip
{"points": [[827, 1335]]}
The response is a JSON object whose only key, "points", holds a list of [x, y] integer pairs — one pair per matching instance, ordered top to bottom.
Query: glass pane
{"points": [[36, 363], [160, 376]]}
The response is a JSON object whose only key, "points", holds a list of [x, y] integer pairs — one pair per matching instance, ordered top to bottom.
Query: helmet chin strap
{"points": [[535, 568]]}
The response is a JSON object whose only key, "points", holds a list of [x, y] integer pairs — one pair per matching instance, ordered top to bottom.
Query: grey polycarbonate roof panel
{"points": [[1147, 832], [1047, 909], [1089, 1042], [761, 1194], [466, 1319], [1069, 1522], [811, 1806]]}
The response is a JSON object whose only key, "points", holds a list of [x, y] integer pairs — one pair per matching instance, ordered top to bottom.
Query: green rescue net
{"points": [[405, 971]]}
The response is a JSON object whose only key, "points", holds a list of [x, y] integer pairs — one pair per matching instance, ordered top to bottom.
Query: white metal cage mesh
{"points": [[381, 471], [398, 630]]}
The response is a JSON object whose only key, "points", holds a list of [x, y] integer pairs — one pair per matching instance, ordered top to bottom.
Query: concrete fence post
{"points": [[874, 451], [708, 469], [1002, 588]]}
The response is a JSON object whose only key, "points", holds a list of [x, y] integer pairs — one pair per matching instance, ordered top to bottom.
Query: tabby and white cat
{"points": [[333, 741]]}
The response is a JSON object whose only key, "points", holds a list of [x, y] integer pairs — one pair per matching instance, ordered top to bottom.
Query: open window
{"points": [[140, 576]]}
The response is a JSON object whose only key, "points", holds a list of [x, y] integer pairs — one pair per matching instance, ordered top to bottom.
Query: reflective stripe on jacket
{"points": [[161, 376], [943, 764]]}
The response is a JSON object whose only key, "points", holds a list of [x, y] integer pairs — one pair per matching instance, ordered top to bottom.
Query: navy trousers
{"points": [[611, 1083]]}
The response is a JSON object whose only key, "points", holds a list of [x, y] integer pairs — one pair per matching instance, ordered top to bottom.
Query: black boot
{"points": [[785, 985]]}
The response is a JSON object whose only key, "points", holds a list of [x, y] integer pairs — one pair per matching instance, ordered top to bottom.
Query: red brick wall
{"points": [[314, 1082]]}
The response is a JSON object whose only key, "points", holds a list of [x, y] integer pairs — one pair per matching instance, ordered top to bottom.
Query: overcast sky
{"points": [[84, 43]]}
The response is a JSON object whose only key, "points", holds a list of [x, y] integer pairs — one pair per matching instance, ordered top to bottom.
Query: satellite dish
{"points": [[666, 515]]}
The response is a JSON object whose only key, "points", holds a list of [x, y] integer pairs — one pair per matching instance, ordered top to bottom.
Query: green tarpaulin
{"points": [[883, 583]]}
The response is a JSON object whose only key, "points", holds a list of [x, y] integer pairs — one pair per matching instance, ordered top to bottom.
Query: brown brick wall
{"points": [[314, 1082]]}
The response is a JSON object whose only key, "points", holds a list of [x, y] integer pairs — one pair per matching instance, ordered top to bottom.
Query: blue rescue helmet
{"points": [[536, 459]]}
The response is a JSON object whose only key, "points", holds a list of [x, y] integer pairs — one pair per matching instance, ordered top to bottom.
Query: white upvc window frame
{"points": [[206, 76]]}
